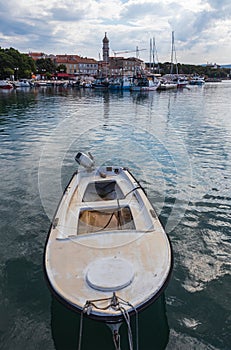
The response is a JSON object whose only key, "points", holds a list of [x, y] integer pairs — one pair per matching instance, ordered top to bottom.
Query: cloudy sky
{"points": [[202, 28]]}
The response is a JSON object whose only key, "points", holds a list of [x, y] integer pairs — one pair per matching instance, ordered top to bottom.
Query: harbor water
{"points": [[178, 145]]}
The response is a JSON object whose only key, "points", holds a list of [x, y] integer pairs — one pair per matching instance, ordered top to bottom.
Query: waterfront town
{"points": [[78, 66], [110, 71]]}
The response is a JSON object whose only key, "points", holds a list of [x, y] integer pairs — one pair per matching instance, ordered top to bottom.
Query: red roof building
{"points": [[77, 65]]}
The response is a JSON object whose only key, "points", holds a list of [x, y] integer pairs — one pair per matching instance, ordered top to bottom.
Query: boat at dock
{"points": [[197, 80], [23, 83], [100, 83], [120, 83], [145, 83], [5, 85], [167, 85], [107, 255]]}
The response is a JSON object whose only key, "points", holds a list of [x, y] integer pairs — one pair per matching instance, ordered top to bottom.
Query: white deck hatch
{"points": [[109, 274]]}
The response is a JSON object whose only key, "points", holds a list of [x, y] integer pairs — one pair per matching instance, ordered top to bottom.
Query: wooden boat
{"points": [[107, 255]]}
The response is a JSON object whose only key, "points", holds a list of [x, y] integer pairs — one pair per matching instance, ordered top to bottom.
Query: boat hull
{"points": [[5, 85], [103, 269]]}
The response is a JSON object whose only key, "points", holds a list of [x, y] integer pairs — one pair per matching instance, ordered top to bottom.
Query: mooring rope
{"points": [[117, 304], [80, 331], [116, 340]]}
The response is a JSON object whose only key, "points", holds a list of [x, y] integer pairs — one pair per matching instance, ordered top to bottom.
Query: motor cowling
{"points": [[85, 160]]}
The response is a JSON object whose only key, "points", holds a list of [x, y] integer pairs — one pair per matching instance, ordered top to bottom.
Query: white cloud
{"points": [[202, 28]]}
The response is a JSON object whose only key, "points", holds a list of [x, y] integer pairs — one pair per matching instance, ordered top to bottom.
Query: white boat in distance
{"points": [[197, 80], [144, 83], [5, 85], [107, 254]]}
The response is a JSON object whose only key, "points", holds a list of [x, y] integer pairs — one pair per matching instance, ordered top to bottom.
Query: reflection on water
{"points": [[178, 144]]}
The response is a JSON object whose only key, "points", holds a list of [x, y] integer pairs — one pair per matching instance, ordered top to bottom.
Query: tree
{"points": [[13, 63], [45, 65], [62, 68]]}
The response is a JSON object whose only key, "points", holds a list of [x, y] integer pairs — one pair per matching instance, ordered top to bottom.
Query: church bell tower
{"points": [[105, 49]]}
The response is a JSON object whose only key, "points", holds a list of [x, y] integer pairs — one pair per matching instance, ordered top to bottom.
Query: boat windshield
{"points": [[102, 190], [92, 220]]}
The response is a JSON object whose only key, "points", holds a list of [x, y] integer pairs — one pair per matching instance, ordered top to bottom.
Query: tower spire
{"points": [[105, 48]]}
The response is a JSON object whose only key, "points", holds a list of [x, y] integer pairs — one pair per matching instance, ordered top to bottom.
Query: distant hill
{"points": [[221, 65]]}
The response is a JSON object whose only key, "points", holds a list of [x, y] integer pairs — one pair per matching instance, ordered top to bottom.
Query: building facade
{"points": [[77, 65]]}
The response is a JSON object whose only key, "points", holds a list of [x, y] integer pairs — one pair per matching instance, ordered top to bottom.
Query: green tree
{"points": [[12, 60], [45, 65], [62, 68]]}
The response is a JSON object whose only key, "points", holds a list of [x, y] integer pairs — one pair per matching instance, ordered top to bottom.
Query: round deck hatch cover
{"points": [[109, 274]]}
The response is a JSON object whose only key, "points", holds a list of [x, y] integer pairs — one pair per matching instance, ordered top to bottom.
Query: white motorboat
{"points": [[197, 80], [144, 83], [5, 85], [167, 85], [107, 255]]}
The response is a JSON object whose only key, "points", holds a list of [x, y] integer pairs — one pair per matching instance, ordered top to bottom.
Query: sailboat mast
{"points": [[153, 53], [173, 55], [150, 56], [171, 67]]}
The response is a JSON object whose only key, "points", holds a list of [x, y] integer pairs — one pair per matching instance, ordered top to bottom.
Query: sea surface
{"points": [[178, 144]]}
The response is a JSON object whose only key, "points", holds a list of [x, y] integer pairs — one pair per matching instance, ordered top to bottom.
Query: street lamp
{"points": [[16, 73], [43, 73]]}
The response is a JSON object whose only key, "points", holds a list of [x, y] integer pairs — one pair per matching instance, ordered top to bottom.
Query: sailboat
{"points": [[173, 80]]}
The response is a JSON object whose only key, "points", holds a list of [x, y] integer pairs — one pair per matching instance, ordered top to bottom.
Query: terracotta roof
{"points": [[73, 59]]}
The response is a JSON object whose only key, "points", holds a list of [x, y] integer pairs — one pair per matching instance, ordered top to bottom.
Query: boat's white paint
{"points": [[137, 262], [109, 274]]}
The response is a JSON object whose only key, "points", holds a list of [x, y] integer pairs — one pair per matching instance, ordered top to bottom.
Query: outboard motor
{"points": [[85, 160]]}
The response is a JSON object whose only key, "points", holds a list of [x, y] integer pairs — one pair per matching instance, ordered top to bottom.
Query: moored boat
{"points": [[197, 80], [182, 82], [100, 83], [125, 83], [144, 83], [115, 84], [5, 85], [167, 85], [107, 255]]}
